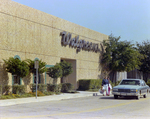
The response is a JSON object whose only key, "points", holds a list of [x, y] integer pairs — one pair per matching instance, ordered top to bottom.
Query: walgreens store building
{"points": [[27, 33]]}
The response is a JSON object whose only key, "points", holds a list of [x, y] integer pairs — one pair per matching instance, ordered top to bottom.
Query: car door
{"points": [[144, 88]]}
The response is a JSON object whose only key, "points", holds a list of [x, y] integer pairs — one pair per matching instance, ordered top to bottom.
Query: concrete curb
{"points": [[63, 96]]}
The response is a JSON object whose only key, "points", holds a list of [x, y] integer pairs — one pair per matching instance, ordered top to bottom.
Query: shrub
{"points": [[148, 82], [98, 83], [84, 84], [87, 84], [92, 84], [70, 86], [33, 87], [42, 87], [51, 87], [54, 87], [66, 87], [5, 89], [18, 89], [1, 91], [39, 93], [49, 93], [57, 93], [15, 95], [27, 95], [6, 97]]}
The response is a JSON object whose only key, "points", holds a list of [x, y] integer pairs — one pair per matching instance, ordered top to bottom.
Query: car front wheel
{"points": [[145, 95], [137, 97]]}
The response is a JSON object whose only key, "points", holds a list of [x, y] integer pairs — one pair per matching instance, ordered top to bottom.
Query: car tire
{"points": [[145, 95], [116, 96], [138, 97]]}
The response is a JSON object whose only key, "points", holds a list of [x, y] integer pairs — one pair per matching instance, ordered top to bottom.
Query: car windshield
{"points": [[130, 82]]}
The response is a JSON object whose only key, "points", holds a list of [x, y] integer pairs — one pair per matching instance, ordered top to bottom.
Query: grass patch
{"points": [[25, 95]]}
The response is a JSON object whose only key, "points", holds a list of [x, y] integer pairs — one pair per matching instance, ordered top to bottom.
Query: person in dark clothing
{"points": [[105, 84]]}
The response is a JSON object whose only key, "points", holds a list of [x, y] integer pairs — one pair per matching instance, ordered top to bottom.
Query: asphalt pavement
{"points": [[61, 96]]}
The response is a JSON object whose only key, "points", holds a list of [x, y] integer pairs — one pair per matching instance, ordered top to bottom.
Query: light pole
{"points": [[36, 66]]}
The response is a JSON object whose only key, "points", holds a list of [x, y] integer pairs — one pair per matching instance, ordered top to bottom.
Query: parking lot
{"points": [[86, 107]]}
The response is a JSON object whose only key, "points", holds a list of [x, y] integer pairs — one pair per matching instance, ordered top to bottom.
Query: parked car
{"points": [[131, 87]]}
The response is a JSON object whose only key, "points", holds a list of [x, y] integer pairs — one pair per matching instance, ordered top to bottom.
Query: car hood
{"points": [[126, 87]]}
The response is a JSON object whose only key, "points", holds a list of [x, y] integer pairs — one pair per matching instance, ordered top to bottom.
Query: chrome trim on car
{"points": [[115, 93], [125, 94]]}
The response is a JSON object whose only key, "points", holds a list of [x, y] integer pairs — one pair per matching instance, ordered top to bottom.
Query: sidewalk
{"points": [[62, 96]]}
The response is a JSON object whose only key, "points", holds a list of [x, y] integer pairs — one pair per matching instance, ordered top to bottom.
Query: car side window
{"points": [[137, 83], [143, 83]]}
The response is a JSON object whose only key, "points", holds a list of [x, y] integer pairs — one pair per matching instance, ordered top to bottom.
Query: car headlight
{"points": [[114, 89], [133, 90]]}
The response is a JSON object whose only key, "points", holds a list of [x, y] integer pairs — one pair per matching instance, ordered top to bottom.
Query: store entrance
{"points": [[72, 78]]}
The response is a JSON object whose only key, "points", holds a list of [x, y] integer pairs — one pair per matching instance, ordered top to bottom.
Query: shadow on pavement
{"points": [[107, 97], [119, 98]]}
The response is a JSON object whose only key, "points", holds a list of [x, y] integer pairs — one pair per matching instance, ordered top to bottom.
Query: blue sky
{"points": [[129, 19]]}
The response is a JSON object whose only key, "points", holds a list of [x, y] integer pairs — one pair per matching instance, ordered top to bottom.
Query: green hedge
{"points": [[148, 82], [87, 84], [33, 87], [40, 87], [54, 87], [66, 87], [1, 89], [4, 89], [18, 89]]}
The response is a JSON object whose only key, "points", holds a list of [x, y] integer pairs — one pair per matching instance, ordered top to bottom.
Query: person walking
{"points": [[105, 84]]}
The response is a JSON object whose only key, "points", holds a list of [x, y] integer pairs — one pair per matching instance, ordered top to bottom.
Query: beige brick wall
{"points": [[30, 33]]}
